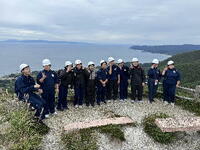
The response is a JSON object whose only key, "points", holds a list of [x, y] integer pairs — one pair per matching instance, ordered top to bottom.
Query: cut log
{"points": [[97, 123], [178, 124]]}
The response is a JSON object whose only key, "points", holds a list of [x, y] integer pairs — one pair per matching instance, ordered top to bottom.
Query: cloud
{"points": [[100, 21]]}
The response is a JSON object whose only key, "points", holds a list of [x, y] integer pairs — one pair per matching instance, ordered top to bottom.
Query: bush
{"points": [[190, 105], [113, 130], [153, 131], [24, 133], [80, 140]]}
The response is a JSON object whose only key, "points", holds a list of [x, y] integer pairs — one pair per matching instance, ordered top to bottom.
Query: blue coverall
{"points": [[102, 74], [153, 75], [171, 77], [25, 85], [112, 86], [48, 87], [123, 87]]}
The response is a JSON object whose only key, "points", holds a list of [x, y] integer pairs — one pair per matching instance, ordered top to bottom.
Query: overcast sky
{"points": [[102, 21]]}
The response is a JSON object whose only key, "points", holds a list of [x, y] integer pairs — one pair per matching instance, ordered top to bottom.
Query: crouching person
{"points": [[66, 77], [102, 79], [48, 81], [91, 85], [25, 88]]}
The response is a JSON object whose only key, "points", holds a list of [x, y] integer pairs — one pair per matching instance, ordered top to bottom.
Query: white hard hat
{"points": [[110, 59], [135, 59], [102, 61], [120, 61], [155, 61], [46, 62], [77, 62], [170, 62], [67, 63], [90, 63], [22, 66]]}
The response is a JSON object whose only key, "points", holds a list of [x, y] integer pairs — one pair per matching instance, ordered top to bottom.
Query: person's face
{"points": [[112, 62], [136, 63], [104, 65], [120, 65], [155, 65], [79, 66], [171, 66], [47, 67], [69, 67], [91, 67], [26, 71]]}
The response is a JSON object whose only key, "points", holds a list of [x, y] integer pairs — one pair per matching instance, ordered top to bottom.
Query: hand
{"points": [[152, 67], [69, 68], [165, 69], [44, 76], [129, 81], [118, 82], [104, 84], [143, 84], [37, 86], [57, 90], [40, 91]]}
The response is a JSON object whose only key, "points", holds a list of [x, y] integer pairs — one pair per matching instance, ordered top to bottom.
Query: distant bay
{"points": [[13, 54]]}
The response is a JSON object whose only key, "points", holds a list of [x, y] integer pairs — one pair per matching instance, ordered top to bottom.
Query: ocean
{"points": [[13, 54]]}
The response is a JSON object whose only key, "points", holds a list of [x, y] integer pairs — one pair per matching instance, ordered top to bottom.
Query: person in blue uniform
{"points": [[124, 76], [137, 76], [154, 76], [80, 78], [66, 79], [102, 79], [48, 80], [113, 80], [171, 80], [91, 84], [25, 88]]}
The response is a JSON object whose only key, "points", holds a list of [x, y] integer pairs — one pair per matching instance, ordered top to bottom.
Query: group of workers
{"points": [[93, 85]]}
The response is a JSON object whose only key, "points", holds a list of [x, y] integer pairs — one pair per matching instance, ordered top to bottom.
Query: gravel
{"points": [[136, 138]]}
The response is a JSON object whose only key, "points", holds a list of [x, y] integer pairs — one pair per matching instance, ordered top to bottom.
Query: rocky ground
{"points": [[136, 138]]}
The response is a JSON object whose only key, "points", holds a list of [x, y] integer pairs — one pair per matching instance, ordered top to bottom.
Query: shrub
{"points": [[153, 131]]}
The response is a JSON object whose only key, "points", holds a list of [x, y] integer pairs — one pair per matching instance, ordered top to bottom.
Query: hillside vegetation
{"points": [[167, 49], [189, 65]]}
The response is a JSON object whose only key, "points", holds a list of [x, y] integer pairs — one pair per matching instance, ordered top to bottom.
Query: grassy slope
{"points": [[188, 64]]}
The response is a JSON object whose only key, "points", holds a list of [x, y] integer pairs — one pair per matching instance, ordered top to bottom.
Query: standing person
{"points": [[124, 76], [137, 76], [154, 76], [66, 77], [80, 77], [102, 79], [48, 80], [113, 80], [170, 82], [91, 85], [25, 87]]}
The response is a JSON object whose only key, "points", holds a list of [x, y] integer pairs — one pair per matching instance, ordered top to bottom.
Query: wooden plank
{"points": [[97, 123], [178, 124]]}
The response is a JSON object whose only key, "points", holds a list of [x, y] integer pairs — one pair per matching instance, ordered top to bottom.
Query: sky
{"points": [[138, 22]]}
